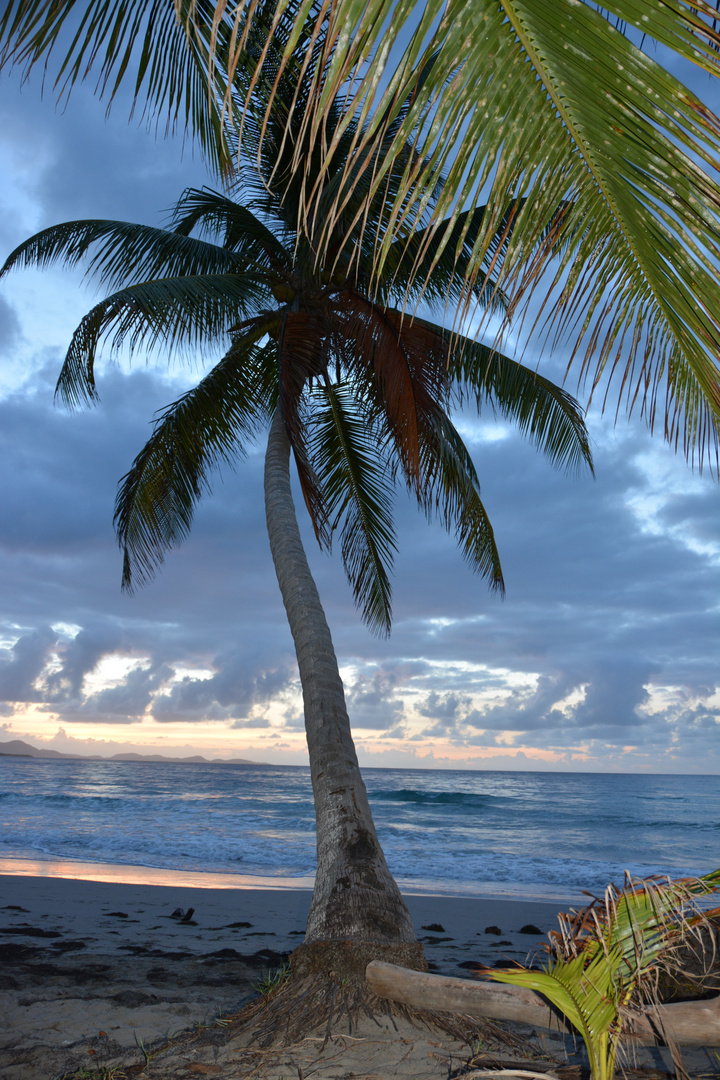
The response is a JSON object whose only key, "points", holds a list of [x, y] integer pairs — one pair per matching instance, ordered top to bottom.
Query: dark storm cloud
{"points": [[22, 665], [240, 682], [372, 700], [123, 704], [446, 710]]}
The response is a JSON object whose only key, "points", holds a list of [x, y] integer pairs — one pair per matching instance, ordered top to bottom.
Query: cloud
{"points": [[9, 327], [599, 612], [23, 665], [240, 682], [373, 698]]}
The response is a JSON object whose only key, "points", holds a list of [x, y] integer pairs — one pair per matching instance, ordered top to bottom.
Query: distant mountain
{"points": [[17, 748]]}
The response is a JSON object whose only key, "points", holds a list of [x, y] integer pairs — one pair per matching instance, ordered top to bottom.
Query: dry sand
{"points": [[97, 974]]}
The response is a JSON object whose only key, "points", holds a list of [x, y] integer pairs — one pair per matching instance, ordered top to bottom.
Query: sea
{"points": [[488, 834]]}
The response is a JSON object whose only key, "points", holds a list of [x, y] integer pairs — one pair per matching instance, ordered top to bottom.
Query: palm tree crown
{"points": [[538, 104], [364, 388]]}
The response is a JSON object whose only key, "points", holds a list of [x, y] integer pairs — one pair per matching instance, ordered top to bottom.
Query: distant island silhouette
{"points": [[17, 748]]}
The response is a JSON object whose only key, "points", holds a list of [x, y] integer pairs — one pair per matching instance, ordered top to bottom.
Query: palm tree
{"points": [[541, 103], [354, 387]]}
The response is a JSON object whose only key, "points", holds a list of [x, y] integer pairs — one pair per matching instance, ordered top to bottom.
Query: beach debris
{"points": [[436, 927], [530, 928], [493, 930], [30, 931], [68, 946], [133, 999], [690, 1023], [500, 1074]]}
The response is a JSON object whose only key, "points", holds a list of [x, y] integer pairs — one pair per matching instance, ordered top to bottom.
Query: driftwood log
{"points": [[689, 1023]]}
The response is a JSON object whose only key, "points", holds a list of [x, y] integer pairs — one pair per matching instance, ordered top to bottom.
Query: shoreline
{"points": [[121, 873], [115, 915]]}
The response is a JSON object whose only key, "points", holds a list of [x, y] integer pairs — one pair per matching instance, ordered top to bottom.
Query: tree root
{"points": [[329, 1005]]}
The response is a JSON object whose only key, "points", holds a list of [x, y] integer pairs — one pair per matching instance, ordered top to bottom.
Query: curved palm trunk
{"points": [[355, 897]]}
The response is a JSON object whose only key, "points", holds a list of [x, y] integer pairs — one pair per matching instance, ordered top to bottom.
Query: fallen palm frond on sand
{"points": [[602, 977]]}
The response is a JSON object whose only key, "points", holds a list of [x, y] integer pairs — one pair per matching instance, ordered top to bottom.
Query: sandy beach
{"points": [[102, 973]]}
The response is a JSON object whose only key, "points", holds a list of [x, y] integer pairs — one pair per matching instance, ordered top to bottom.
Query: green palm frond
{"points": [[163, 48], [549, 107], [571, 113], [233, 226], [118, 252], [434, 262], [172, 312], [546, 414], [211, 424], [451, 490], [358, 492], [603, 958], [585, 993]]}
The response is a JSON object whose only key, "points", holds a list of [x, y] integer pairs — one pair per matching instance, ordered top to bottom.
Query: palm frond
{"points": [[167, 46], [552, 107], [233, 226], [119, 252], [434, 262], [172, 313], [405, 377], [542, 411], [211, 424], [451, 490], [358, 493], [603, 956], [586, 994]]}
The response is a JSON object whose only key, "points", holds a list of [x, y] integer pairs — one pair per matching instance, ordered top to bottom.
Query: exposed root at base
{"points": [[336, 1006]]}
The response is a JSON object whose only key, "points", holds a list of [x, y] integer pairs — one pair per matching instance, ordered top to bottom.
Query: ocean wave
{"points": [[32, 798], [461, 799]]}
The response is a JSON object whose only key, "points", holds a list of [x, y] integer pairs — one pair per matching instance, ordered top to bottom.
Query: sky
{"points": [[603, 655]]}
